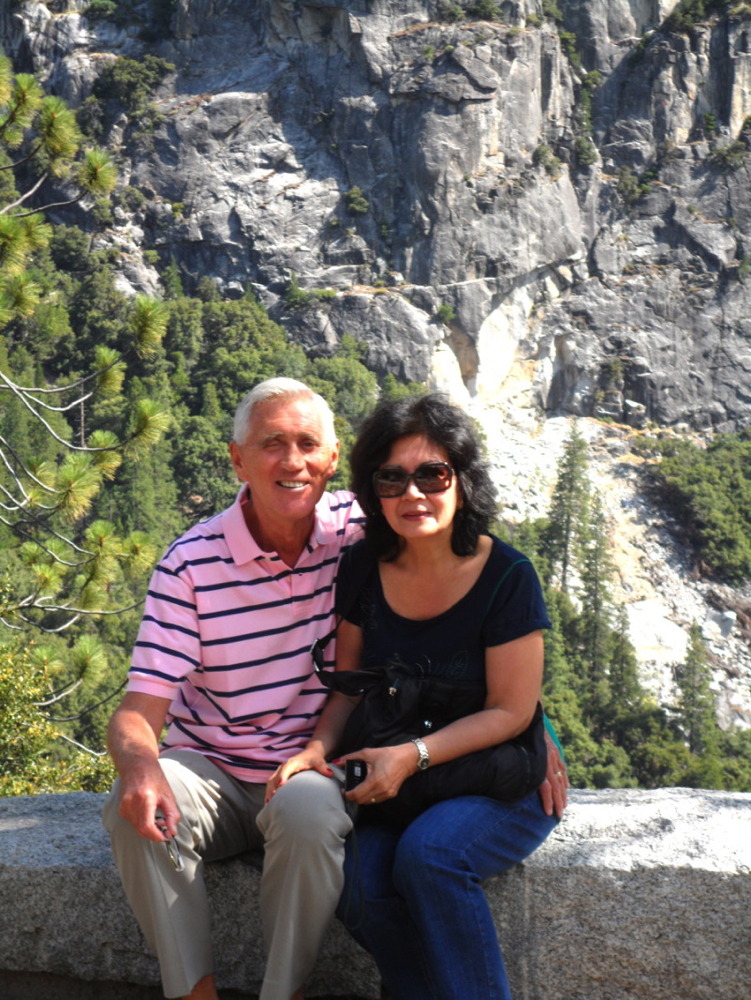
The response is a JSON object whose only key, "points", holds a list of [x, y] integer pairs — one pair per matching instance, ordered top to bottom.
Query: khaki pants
{"points": [[302, 831]]}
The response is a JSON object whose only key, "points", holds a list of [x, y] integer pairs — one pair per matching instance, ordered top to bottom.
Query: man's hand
{"points": [[133, 740], [553, 789], [144, 793]]}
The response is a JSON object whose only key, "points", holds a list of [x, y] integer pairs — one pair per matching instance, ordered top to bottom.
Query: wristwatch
{"points": [[422, 750]]}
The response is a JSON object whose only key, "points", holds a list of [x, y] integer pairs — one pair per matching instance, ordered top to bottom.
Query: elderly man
{"points": [[223, 658]]}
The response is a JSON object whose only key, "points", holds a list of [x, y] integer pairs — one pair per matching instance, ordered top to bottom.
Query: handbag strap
{"points": [[318, 647]]}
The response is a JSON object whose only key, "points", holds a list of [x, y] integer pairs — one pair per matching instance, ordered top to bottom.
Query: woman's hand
{"points": [[309, 759], [388, 769]]}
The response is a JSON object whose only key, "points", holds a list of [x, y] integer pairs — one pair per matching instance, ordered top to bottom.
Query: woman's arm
{"points": [[513, 673], [333, 718]]}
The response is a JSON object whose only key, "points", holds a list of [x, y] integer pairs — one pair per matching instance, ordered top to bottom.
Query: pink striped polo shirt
{"points": [[226, 635]]}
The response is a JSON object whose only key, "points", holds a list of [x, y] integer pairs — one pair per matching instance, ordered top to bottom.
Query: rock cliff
{"points": [[499, 165]]}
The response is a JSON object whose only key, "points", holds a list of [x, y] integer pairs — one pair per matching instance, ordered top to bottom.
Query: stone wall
{"points": [[637, 895]]}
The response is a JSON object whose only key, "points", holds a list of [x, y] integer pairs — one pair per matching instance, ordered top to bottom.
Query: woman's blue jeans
{"points": [[414, 898]]}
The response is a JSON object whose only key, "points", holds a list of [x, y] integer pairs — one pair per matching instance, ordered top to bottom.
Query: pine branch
{"points": [[25, 197], [50, 205], [23, 397]]}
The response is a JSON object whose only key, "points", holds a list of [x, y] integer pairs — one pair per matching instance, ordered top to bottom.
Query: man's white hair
{"points": [[278, 389]]}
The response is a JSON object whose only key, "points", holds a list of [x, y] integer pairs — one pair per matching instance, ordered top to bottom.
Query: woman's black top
{"points": [[505, 603]]}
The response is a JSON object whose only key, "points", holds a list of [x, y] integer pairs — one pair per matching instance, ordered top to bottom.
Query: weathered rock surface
{"points": [[277, 110], [636, 894]]}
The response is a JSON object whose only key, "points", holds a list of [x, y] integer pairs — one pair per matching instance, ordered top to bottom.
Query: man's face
{"points": [[287, 459]]}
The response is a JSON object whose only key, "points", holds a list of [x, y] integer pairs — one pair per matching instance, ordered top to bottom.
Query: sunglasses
{"points": [[430, 477]]}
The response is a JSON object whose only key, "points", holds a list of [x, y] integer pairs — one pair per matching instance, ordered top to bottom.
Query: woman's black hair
{"points": [[444, 424]]}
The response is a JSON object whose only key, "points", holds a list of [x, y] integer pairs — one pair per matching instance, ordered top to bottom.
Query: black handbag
{"points": [[398, 703]]}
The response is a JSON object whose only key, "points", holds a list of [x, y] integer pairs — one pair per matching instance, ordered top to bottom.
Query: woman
{"points": [[430, 596]]}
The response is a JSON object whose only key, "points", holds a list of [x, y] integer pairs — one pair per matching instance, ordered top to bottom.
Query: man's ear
{"points": [[334, 460], [237, 462]]}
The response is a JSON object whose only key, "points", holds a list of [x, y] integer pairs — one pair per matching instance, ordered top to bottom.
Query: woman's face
{"points": [[416, 515]]}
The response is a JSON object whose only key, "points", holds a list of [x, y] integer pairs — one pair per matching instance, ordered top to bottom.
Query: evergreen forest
{"points": [[115, 412]]}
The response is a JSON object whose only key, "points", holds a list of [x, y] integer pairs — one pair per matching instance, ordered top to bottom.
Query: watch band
{"points": [[424, 756]]}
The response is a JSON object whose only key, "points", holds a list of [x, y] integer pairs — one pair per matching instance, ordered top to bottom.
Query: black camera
{"points": [[355, 771]]}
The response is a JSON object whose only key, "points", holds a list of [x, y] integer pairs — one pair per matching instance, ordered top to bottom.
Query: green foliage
{"points": [[101, 10], [477, 10], [484, 10], [451, 11], [688, 13], [569, 44], [132, 83], [39, 142], [585, 150], [544, 156], [731, 156], [631, 187], [357, 203], [298, 298], [445, 313], [393, 390], [709, 492], [569, 510], [696, 708], [614, 736], [29, 764]]}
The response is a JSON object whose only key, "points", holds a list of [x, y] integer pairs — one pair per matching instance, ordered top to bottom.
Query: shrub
{"points": [[101, 10], [449, 10], [484, 10], [690, 12], [132, 82], [586, 151], [544, 156], [729, 157], [629, 187], [357, 203]]}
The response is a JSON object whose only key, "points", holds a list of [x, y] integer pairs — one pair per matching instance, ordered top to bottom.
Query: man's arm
{"points": [[133, 742], [553, 789]]}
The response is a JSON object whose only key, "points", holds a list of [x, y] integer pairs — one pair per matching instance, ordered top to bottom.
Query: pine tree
{"points": [[41, 144], [54, 456], [569, 508], [594, 621], [625, 687], [560, 697], [696, 704]]}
